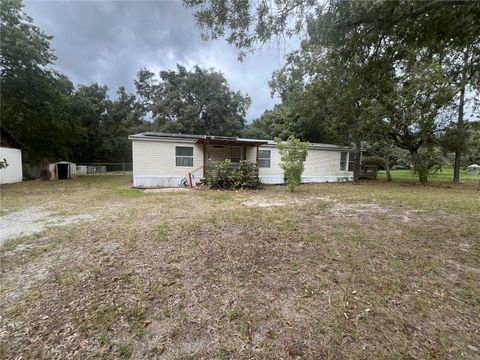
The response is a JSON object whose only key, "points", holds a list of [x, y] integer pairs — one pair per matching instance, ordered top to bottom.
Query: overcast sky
{"points": [[109, 41]]}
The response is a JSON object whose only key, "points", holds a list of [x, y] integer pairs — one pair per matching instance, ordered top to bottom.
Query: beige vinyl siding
{"points": [[251, 153], [155, 158], [323, 163], [274, 169]]}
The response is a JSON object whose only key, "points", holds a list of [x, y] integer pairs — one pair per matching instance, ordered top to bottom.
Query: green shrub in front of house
{"points": [[294, 153], [227, 176]]}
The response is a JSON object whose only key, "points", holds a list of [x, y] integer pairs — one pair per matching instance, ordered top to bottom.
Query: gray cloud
{"points": [[109, 41]]}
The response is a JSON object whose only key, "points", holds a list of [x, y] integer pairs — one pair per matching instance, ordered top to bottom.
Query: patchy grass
{"points": [[445, 175], [331, 271]]}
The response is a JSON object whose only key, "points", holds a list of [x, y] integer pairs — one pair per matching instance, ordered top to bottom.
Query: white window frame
{"points": [[178, 157], [269, 159]]}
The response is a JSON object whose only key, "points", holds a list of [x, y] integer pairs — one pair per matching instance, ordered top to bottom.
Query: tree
{"points": [[432, 23], [246, 24], [17, 27], [447, 30], [378, 31], [463, 66], [419, 93], [33, 97], [338, 97], [196, 102], [89, 106], [43, 109], [124, 117], [278, 122], [472, 135], [294, 153]]}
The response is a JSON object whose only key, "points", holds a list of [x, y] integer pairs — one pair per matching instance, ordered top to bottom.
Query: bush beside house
{"points": [[227, 176]]}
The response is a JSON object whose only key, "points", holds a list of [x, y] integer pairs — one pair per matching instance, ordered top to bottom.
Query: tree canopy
{"points": [[362, 61], [384, 72], [195, 102], [57, 120]]}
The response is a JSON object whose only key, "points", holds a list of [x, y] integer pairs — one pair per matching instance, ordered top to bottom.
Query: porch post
{"points": [[256, 162], [205, 170]]}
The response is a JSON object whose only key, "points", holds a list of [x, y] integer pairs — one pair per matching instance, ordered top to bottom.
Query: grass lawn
{"points": [[445, 175], [331, 271]]}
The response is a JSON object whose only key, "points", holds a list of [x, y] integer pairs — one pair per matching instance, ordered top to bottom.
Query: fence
{"points": [[101, 168]]}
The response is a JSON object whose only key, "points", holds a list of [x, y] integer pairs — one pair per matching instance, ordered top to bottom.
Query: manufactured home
{"points": [[170, 160]]}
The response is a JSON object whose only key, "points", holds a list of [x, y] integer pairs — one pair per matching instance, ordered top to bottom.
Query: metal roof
{"points": [[6, 134], [199, 139], [211, 139]]}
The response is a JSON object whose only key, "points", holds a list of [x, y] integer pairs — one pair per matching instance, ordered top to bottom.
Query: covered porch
{"points": [[217, 149]]}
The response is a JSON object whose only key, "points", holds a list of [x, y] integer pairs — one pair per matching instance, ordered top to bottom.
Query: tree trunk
{"points": [[460, 133], [386, 158], [356, 164], [387, 167], [420, 167]]}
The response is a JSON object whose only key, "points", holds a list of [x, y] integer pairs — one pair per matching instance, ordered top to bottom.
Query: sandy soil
{"points": [[32, 220]]}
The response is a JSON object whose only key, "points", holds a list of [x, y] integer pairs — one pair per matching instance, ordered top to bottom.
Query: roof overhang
{"points": [[4, 132], [154, 137], [197, 139], [225, 140], [231, 141], [315, 146]]}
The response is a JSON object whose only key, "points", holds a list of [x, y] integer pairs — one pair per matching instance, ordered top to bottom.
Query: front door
{"points": [[217, 153], [235, 154]]}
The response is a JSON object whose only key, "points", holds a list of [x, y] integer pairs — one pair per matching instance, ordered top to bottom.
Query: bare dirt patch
{"points": [[167, 190], [266, 203], [352, 209], [357, 210], [32, 220], [239, 275]]}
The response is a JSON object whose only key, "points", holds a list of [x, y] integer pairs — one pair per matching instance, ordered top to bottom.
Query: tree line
{"points": [[393, 74], [396, 77], [56, 120]]}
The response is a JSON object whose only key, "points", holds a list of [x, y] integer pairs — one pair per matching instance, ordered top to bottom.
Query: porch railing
{"points": [[191, 176]]}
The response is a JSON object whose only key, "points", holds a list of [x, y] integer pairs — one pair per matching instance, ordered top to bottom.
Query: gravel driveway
{"points": [[33, 219]]}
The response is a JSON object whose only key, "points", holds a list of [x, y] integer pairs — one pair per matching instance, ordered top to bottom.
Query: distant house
{"points": [[11, 153], [165, 160], [473, 168]]}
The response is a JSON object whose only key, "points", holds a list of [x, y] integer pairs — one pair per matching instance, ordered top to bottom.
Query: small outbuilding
{"points": [[10, 158], [473, 167], [62, 170]]}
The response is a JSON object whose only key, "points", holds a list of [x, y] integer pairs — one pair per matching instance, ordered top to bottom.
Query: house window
{"points": [[235, 154], [183, 156], [264, 158], [343, 160], [351, 160]]}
